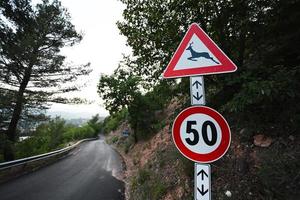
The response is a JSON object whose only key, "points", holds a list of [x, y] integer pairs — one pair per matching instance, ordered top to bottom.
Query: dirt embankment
{"points": [[152, 160], [255, 166]]}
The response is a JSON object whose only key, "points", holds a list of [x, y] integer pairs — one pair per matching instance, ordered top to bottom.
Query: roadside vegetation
{"points": [[33, 72], [260, 101], [54, 134]]}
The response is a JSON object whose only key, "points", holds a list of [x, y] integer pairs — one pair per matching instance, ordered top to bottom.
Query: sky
{"points": [[102, 46]]}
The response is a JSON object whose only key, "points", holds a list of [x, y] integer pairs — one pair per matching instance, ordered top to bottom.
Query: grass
{"points": [[52, 135], [279, 171], [147, 185]]}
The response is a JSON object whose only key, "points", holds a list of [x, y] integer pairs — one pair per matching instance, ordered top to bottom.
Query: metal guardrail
{"points": [[23, 161]]}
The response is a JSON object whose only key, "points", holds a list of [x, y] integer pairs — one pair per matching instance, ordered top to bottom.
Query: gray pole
{"points": [[202, 175]]}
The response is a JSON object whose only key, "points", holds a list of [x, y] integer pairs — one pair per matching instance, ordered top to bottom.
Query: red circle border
{"points": [[196, 157]]}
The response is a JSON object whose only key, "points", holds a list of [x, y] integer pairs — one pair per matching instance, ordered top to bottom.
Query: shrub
{"points": [[112, 122], [95, 123], [53, 135], [114, 140], [128, 143], [33, 146], [143, 176], [147, 185], [158, 190]]}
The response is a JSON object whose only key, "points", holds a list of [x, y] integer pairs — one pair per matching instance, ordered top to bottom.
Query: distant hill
{"points": [[69, 115], [77, 121]]}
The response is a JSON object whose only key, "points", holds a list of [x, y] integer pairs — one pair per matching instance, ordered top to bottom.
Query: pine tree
{"points": [[30, 62]]}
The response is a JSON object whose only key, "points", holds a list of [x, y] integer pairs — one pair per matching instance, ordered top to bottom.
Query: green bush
{"points": [[112, 122], [95, 123], [53, 135], [114, 139], [3, 140], [128, 143], [33, 146], [143, 176], [147, 185], [158, 190]]}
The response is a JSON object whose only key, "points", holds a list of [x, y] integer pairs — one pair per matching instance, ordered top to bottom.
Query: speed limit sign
{"points": [[201, 134]]}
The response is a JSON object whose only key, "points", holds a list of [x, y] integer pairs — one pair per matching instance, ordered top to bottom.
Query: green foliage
{"points": [[248, 31], [259, 36], [31, 37], [119, 89], [122, 90], [142, 111], [142, 116], [112, 122], [95, 123], [159, 125], [53, 131], [78, 133], [52, 135], [114, 140], [3, 143], [123, 143], [128, 143], [166, 170], [143, 176], [147, 185]]}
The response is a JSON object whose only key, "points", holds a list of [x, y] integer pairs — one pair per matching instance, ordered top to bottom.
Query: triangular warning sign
{"points": [[197, 54]]}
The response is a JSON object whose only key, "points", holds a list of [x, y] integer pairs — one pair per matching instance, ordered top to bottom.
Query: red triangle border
{"points": [[226, 65]]}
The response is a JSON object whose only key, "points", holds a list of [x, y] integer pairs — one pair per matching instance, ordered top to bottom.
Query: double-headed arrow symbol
{"points": [[197, 84], [203, 174]]}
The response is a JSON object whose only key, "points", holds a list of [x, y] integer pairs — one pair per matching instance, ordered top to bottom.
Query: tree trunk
{"points": [[12, 128]]}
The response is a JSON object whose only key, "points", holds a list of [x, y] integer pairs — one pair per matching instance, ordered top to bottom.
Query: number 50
{"points": [[205, 125]]}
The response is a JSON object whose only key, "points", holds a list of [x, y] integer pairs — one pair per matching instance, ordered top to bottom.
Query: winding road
{"points": [[88, 173]]}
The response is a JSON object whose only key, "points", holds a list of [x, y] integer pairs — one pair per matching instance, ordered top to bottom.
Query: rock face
{"points": [[262, 140], [155, 165], [156, 170]]}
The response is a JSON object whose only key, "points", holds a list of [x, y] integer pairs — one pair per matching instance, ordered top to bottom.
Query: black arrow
{"points": [[197, 83], [198, 97], [202, 172], [202, 191]]}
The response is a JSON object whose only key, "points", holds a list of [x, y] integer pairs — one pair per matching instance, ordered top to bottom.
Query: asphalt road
{"points": [[86, 174]]}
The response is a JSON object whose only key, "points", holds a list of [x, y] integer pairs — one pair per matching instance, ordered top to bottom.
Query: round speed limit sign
{"points": [[201, 134]]}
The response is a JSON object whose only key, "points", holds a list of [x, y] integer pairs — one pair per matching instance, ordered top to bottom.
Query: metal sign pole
{"points": [[197, 90], [202, 175], [202, 188]]}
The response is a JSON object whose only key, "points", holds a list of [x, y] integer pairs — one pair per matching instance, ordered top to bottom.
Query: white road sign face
{"points": [[197, 54], [204, 59], [197, 90], [200, 133], [202, 182]]}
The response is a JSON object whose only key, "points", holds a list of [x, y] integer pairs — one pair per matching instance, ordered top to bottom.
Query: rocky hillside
{"points": [[255, 167]]}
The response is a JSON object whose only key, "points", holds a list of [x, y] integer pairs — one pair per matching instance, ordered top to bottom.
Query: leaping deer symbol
{"points": [[196, 54]]}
